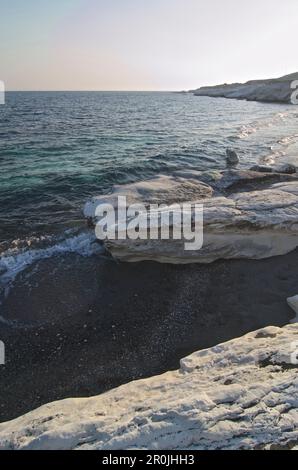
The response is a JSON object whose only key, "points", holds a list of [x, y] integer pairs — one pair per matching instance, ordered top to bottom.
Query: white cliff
{"points": [[273, 90], [242, 394]]}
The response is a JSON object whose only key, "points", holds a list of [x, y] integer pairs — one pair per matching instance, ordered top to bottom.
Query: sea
{"points": [[58, 149]]}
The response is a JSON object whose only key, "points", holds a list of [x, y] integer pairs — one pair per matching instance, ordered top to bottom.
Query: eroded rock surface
{"points": [[162, 189], [240, 221], [242, 394]]}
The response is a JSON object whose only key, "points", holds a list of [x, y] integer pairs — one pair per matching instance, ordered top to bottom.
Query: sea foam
{"points": [[15, 260]]}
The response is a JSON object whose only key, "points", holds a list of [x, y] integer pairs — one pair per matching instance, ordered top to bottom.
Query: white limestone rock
{"points": [[272, 90], [289, 187], [162, 189], [251, 224], [242, 394]]}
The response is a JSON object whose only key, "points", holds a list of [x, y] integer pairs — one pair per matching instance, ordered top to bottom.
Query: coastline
{"points": [[279, 90], [148, 230], [78, 321], [87, 325], [77, 326], [239, 395]]}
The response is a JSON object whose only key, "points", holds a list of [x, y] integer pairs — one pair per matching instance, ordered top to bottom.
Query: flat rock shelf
{"points": [[246, 215], [242, 394]]}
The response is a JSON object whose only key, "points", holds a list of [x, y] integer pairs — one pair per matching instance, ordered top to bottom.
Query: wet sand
{"points": [[80, 326]]}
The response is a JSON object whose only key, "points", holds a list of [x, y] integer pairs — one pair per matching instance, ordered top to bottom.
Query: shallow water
{"points": [[58, 149]]}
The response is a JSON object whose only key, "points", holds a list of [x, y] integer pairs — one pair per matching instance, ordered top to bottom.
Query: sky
{"points": [[144, 44]]}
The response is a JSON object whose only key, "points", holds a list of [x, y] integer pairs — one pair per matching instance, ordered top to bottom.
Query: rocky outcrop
{"points": [[274, 90], [232, 157], [286, 168], [161, 189], [240, 221], [293, 303], [242, 394]]}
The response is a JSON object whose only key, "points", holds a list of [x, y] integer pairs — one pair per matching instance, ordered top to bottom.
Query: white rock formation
{"points": [[273, 90], [158, 190], [251, 224], [242, 394]]}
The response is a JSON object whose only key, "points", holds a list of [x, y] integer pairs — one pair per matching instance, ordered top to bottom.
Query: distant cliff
{"points": [[276, 90]]}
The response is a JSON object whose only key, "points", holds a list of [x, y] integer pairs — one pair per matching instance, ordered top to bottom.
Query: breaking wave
{"points": [[255, 126], [16, 259]]}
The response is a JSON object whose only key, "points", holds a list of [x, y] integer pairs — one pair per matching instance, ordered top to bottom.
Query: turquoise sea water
{"points": [[59, 148]]}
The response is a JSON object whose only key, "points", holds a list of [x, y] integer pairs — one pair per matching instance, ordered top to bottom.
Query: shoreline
{"points": [[276, 90], [87, 325], [79, 326], [229, 397]]}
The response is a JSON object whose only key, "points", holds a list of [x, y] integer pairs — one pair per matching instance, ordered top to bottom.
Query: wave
{"points": [[255, 126], [288, 140], [279, 149], [15, 260]]}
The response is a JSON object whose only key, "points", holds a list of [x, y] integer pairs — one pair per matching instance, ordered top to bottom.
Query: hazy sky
{"points": [[144, 44]]}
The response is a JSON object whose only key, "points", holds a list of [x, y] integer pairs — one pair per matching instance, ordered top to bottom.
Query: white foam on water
{"points": [[255, 126], [288, 140], [279, 150], [15, 260]]}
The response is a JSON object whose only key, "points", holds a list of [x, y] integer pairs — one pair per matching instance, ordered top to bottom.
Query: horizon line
{"points": [[96, 91]]}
